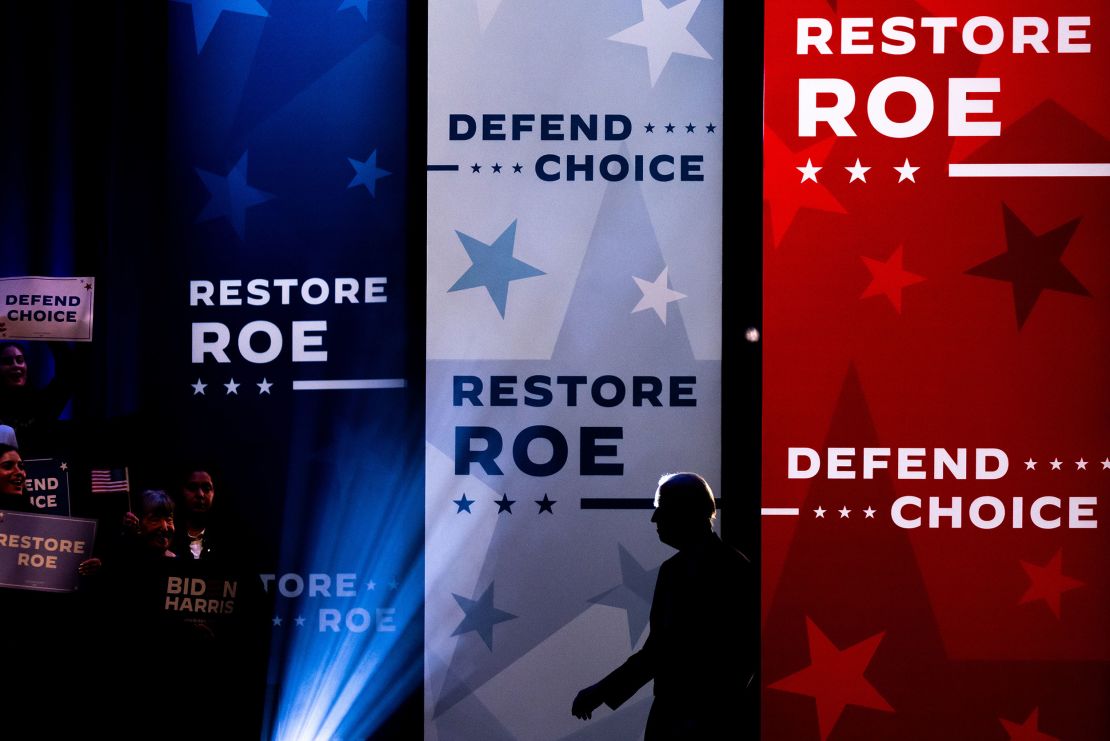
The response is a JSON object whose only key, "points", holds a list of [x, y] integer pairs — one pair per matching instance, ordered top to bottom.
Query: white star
{"points": [[663, 33], [857, 171], [809, 172], [905, 172], [656, 295], [198, 387], [232, 387], [264, 387], [1055, 464], [1106, 464], [1030, 465], [1081, 465], [64, 466], [820, 512], [843, 512], [869, 512], [371, 585], [277, 621], [299, 621]]}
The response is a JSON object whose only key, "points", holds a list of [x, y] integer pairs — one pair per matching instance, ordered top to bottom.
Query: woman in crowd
{"points": [[13, 497]]}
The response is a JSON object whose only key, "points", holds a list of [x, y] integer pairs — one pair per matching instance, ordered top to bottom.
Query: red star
{"points": [[783, 187], [1031, 263], [888, 278], [1048, 583], [834, 678], [1028, 730]]}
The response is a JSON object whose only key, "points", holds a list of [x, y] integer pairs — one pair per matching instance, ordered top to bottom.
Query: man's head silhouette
{"points": [[684, 509]]}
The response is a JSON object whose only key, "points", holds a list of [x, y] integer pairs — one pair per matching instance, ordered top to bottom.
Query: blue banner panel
{"points": [[281, 315]]}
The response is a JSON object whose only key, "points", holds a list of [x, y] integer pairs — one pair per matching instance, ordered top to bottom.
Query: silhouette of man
{"points": [[695, 650]]}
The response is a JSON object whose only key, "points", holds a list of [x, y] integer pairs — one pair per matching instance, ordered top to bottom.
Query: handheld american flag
{"points": [[105, 480]]}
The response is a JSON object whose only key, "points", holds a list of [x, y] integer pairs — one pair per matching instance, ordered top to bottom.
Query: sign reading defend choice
{"points": [[39, 308]]}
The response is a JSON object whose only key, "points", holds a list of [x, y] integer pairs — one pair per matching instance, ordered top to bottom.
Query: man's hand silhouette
{"points": [[586, 702]]}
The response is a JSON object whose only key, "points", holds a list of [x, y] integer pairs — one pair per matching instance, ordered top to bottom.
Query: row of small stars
{"points": [[649, 128], [496, 167], [857, 171], [231, 386], [1056, 463], [504, 504], [868, 514]]}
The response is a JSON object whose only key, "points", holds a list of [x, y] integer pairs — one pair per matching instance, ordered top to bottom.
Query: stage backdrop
{"points": [[937, 329], [573, 349]]}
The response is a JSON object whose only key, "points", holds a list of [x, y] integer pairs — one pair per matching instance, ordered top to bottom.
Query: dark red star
{"points": [[1031, 263], [888, 278], [1048, 582], [834, 678], [1027, 731]]}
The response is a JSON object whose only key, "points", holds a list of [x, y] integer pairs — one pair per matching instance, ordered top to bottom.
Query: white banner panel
{"points": [[573, 343]]}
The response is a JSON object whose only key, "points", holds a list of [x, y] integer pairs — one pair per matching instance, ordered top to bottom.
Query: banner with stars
{"points": [[574, 287], [937, 324], [285, 360]]}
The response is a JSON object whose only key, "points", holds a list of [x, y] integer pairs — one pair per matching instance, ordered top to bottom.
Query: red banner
{"points": [[937, 333]]}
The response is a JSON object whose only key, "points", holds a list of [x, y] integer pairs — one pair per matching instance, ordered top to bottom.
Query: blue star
{"points": [[360, 5], [207, 12], [650, 127], [670, 128], [690, 128], [710, 128], [475, 167], [497, 167], [517, 167], [367, 173], [231, 196], [493, 266], [464, 503], [504, 504], [545, 504], [633, 594], [481, 616]]}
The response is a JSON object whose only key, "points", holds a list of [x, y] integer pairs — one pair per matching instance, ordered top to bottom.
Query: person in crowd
{"points": [[23, 406], [7, 436], [13, 496], [156, 524], [197, 532], [696, 650]]}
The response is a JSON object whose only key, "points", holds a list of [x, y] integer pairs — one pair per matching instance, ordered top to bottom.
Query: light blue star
{"points": [[361, 5], [207, 12], [367, 173], [231, 196], [493, 266], [633, 594], [481, 616]]}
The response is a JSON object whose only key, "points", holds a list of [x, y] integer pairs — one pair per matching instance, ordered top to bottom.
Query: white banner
{"points": [[573, 343]]}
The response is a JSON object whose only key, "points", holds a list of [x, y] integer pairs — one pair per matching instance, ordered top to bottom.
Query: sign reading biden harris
{"points": [[41, 308], [573, 341]]}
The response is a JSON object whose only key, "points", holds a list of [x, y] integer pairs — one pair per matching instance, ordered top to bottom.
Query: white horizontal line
{"points": [[1031, 170], [351, 383], [779, 511]]}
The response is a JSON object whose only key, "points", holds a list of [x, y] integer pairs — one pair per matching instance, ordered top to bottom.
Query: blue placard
{"points": [[47, 485], [42, 552]]}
